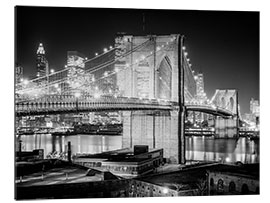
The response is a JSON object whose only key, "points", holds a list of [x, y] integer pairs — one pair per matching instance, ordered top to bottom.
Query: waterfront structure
{"points": [[41, 62], [125, 162], [234, 181]]}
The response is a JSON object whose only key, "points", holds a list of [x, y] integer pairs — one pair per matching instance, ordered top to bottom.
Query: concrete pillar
{"points": [[127, 129]]}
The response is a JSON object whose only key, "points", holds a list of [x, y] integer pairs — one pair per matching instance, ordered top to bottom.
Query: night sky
{"points": [[223, 45]]}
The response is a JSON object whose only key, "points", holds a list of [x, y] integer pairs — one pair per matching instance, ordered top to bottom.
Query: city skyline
{"points": [[224, 46]]}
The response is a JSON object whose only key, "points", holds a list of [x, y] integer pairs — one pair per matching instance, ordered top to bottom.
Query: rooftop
{"points": [[51, 172]]}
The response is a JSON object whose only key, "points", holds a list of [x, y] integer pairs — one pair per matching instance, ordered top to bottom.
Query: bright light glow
{"points": [[111, 47], [158, 48], [184, 48], [105, 49], [186, 53], [96, 54], [86, 58], [188, 60], [127, 65], [66, 66], [116, 69], [52, 70], [105, 73], [195, 77], [21, 79], [26, 82], [56, 85], [110, 91], [77, 94], [96, 95], [227, 159], [165, 190]]}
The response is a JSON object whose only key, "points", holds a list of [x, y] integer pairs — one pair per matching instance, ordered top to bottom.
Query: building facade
{"points": [[41, 62]]}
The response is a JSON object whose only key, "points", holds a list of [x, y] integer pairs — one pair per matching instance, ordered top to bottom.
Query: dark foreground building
{"points": [[55, 179]]}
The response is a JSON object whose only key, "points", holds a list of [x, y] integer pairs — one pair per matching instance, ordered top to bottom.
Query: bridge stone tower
{"points": [[153, 71], [227, 99]]}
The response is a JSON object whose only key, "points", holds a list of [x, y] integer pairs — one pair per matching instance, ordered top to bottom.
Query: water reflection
{"points": [[197, 148], [226, 150]]}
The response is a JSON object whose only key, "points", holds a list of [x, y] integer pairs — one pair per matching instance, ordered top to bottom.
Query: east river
{"points": [[197, 148]]}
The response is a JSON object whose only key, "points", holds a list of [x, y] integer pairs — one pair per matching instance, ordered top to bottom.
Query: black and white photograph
{"points": [[135, 102]]}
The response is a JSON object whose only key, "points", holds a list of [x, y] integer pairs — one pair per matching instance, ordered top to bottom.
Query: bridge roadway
{"points": [[58, 104]]}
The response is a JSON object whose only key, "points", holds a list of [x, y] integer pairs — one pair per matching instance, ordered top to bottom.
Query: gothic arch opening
{"points": [[164, 79], [223, 103], [231, 103], [232, 187], [245, 189]]}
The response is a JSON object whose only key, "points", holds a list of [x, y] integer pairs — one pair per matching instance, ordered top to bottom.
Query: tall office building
{"points": [[41, 62], [18, 73], [200, 94], [254, 107]]}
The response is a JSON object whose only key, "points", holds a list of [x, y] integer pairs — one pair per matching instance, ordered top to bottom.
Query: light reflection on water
{"points": [[197, 148], [232, 150]]}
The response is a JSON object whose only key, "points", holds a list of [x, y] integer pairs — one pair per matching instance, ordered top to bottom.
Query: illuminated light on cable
{"points": [[111, 47], [158, 48], [184, 48], [105, 49], [151, 52], [186, 53], [96, 54], [188, 60], [190, 65], [66, 66], [116, 69], [52, 70], [105, 73], [195, 77], [26, 82], [56, 85], [77, 94], [115, 96]]}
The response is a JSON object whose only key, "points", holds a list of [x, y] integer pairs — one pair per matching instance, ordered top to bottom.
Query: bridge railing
{"points": [[56, 103]]}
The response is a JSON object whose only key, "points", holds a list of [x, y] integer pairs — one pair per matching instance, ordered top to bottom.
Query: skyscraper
{"points": [[41, 62], [18, 73], [200, 94]]}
